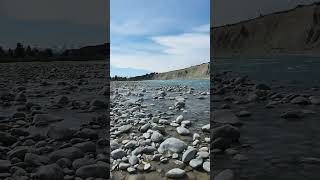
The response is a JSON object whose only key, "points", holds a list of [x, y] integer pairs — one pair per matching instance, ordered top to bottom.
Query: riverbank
{"points": [[54, 120], [277, 122], [159, 130]]}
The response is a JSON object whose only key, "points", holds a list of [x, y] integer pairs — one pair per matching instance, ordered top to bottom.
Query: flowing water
{"points": [[297, 71], [277, 145]]}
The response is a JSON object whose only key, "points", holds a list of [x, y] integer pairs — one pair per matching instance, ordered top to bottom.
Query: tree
{"points": [[19, 51], [29, 52], [34, 52], [48, 52], [2, 53], [10, 53]]}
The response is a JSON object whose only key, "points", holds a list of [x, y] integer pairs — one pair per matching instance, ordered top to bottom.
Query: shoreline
{"points": [[148, 116], [273, 119]]}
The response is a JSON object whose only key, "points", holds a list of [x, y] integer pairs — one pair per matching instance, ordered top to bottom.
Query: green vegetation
{"points": [[28, 53]]}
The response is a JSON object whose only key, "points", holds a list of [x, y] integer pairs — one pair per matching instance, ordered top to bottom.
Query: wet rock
{"points": [[262, 87], [21, 97], [63, 100], [300, 100], [315, 100], [98, 104], [179, 104], [244, 114], [292, 114], [225, 117], [45, 119], [179, 119], [145, 127], [124, 128], [206, 128], [183, 131], [226, 131], [19, 132], [59, 132], [88, 133], [156, 137], [7, 139], [221, 143], [172, 144], [86, 146], [18, 152], [71, 153], [118, 154], [189, 154], [240, 157], [35, 160], [133, 160], [310, 160], [64, 162], [196, 163], [76, 164], [5, 165], [124, 166], [206, 166], [147, 167], [94, 170], [131, 170], [50, 172], [176, 173], [225, 175]]}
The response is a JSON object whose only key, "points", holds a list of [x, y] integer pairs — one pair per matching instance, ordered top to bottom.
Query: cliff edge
{"points": [[292, 32]]}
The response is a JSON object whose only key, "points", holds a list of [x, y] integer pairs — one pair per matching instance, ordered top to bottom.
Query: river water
{"points": [[297, 71]]}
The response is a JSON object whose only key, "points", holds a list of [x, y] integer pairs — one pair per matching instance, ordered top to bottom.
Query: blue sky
{"points": [[158, 35]]}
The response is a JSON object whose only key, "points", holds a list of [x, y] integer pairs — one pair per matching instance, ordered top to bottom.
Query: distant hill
{"points": [[292, 32], [98, 51], [29, 54], [201, 71]]}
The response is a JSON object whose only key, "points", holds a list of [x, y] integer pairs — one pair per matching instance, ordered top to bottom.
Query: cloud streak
{"points": [[178, 51]]}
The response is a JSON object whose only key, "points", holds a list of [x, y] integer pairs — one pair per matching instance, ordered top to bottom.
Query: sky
{"points": [[232, 11], [54, 23], [158, 35]]}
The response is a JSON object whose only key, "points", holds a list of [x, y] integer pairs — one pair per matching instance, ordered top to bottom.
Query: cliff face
{"points": [[293, 32], [201, 71]]}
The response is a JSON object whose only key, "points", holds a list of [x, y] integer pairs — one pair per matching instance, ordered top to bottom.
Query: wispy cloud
{"points": [[159, 36], [179, 51]]}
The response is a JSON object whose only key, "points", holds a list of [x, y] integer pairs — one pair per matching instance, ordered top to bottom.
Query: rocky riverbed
{"points": [[53, 121], [263, 131], [159, 132]]}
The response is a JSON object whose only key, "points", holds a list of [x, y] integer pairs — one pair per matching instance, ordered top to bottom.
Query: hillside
{"points": [[292, 32], [99, 51], [201, 71]]}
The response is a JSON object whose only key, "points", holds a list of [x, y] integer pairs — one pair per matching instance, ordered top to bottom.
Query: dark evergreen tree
{"points": [[19, 51], [2, 52], [29, 52], [34, 52], [48, 52], [10, 53]]}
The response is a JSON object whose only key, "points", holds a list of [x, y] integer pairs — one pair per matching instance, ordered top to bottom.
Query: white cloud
{"points": [[138, 26], [127, 28], [180, 51]]}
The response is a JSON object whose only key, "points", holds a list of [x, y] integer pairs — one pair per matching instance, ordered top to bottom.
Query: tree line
{"points": [[23, 52], [148, 76]]}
